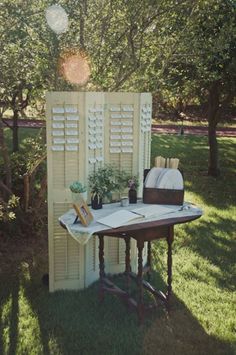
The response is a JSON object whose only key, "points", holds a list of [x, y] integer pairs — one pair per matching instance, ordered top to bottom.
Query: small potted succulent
{"points": [[78, 190]]}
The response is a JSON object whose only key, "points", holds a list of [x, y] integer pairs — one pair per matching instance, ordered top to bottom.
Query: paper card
{"points": [[115, 108], [128, 108], [58, 109], [71, 109], [116, 115], [127, 115], [72, 117], [58, 118], [115, 123], [127, 123], [92, 124], [58, 125], [71, 125], [144, 129], [115, 130], [127, 130], [99, 131], [71, 132], [92, 132], [58, 133], [115, 136], [128, 136], [92, 139], [59, 140], [72, 140], [115, 144], [127, 144], [99, 145], [58, 148], [72, 148], [115, 150], [127, 150], [99, 158], [92, 160]]}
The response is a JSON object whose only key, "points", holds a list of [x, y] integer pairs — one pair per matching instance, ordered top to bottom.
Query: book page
{"points": [[154, 210], [119, 218]]}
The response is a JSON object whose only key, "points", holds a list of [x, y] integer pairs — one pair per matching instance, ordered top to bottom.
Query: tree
{"points": [[197, 59]]}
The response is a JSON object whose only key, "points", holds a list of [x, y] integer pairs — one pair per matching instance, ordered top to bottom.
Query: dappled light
{"points": [[57, 19], [183, 52], [74, 67], [217, 245], [203, 282]]}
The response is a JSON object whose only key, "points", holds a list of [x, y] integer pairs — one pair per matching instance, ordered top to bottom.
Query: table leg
{"points": [[170, 239], [140, 245], [149, 260], [127, 262], [101, 267]]}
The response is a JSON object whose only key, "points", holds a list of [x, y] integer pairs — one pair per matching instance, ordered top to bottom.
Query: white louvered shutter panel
{"points": [[84, 131]]}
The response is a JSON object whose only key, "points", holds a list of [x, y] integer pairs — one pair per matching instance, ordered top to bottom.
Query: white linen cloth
{"points": [[82, 234]]}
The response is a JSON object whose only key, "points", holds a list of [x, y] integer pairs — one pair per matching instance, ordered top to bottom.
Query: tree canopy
{"points": [[182, 50]]}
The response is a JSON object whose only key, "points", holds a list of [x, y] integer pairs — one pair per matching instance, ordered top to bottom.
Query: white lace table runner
{"points": [[82, 234]]}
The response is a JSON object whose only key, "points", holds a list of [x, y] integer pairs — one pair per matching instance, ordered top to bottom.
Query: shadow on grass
{"points": [[216, 242], [11, 296], [75, 323]]}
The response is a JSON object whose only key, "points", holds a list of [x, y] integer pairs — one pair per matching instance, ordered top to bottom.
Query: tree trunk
{"points": [[213, 119], [15, 132], [6, 158]]}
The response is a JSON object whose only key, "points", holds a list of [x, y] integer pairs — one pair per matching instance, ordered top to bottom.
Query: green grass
{"points": [[186, 122], [202, 319]]}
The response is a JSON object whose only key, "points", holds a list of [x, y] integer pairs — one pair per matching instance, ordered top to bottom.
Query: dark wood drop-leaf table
{"points": [[141, 232]]}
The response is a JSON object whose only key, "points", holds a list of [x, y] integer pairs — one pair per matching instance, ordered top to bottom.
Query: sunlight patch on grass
{"points": [[5, 321], [28, 326]]}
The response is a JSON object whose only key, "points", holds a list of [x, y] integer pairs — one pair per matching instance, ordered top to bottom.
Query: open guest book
{"points": [[123, 217]]}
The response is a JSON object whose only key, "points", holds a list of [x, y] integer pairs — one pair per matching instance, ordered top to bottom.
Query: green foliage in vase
{"points": [[109, 179], [104, 181]]}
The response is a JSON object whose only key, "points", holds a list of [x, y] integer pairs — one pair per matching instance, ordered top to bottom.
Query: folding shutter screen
{"points": [[84, 131]]}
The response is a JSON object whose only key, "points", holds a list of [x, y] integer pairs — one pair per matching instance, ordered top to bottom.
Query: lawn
{"points": [[202, 319]]}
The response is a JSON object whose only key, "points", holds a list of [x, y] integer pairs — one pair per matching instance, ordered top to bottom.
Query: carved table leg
{"points": [[170, 239], [140, 245], [149, 260], [127, 262], [101, 267]]}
